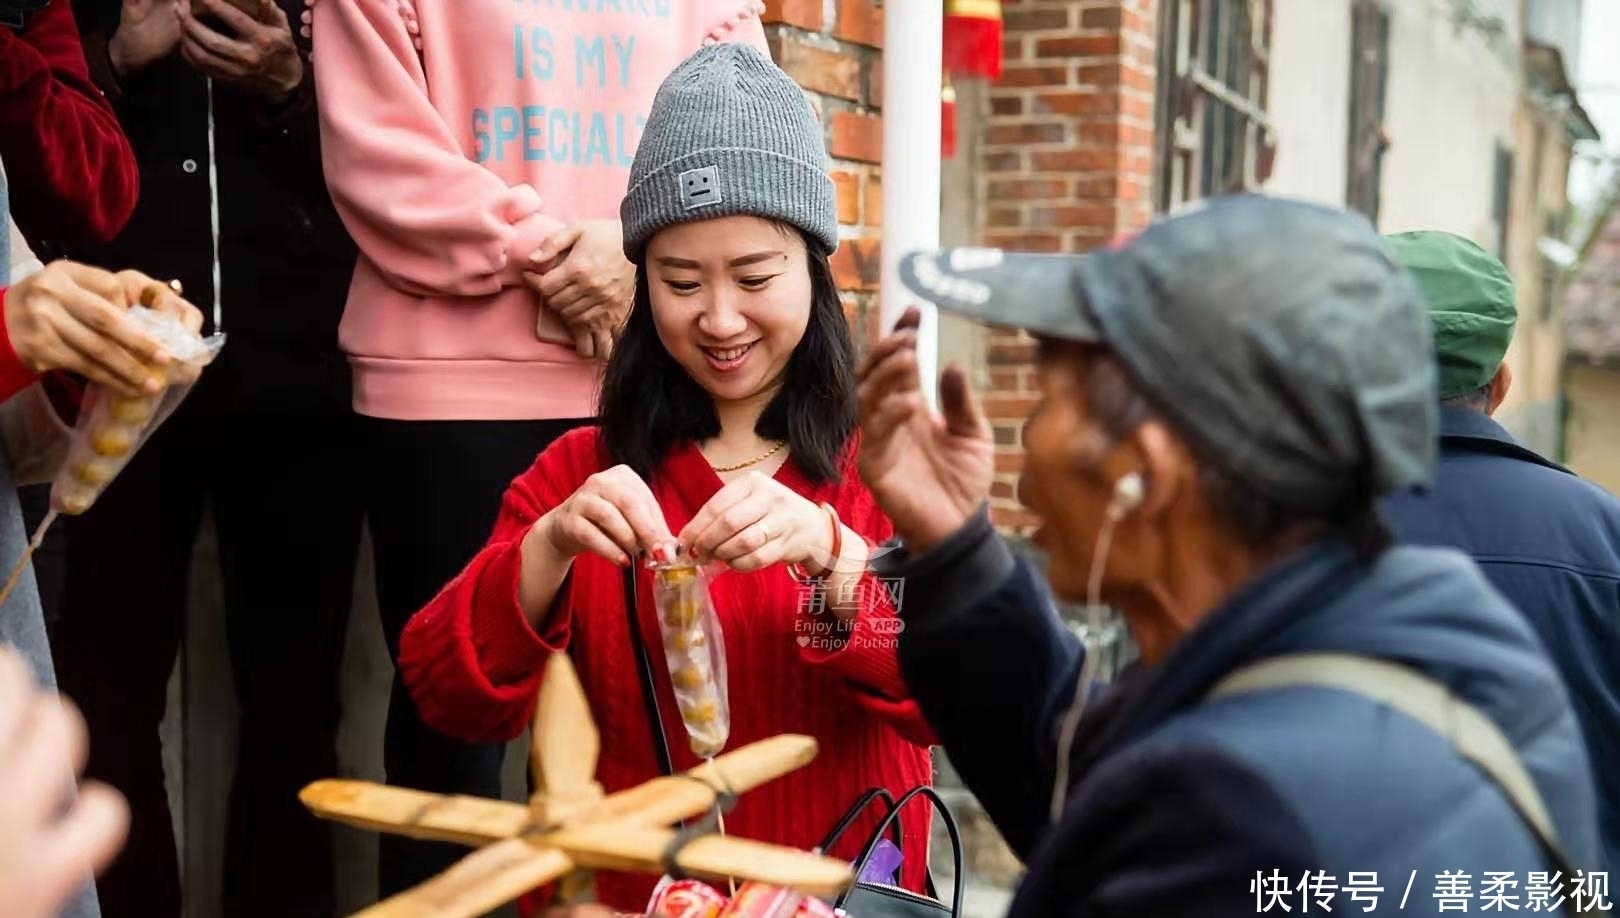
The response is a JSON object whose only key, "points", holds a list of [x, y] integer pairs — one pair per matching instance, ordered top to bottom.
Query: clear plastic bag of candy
{"points": [[113, 426], [695, 650]]}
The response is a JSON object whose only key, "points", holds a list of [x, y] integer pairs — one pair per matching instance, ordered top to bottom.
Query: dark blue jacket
{"points": [[1550, 542], [1175, 806]]}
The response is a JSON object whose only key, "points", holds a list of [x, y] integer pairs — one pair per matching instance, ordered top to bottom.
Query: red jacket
{"points": [[69, 169], [473, 664]]}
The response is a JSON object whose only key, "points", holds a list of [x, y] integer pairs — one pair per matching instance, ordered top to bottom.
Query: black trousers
{"points": [[435, 491], [287, 508]]}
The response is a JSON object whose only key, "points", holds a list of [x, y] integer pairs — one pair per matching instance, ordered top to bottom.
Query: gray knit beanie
{"points": [[729, 133]]}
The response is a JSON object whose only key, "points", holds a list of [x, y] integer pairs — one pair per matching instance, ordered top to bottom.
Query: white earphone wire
{"points": [[1127, 495]]}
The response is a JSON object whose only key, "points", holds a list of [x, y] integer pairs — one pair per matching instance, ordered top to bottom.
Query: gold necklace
{"points": [[754, 461]]}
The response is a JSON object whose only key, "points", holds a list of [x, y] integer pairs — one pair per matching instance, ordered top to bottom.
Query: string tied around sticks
{"points": [[713, 821]]}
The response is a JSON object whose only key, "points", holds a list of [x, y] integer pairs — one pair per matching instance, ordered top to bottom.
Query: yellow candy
{"points": [[130, 410], [112, 441], [94, 472], [76, 502], [677, 576], [682, 612], [687, 640], [689, 678], [700, 713], [707, 746]]}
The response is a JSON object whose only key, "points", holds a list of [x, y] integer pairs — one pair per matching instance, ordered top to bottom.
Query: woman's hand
{"points": [[146, 34], [257, 54], [581, 274], [73, 317], [613, 514], [756, 521]]}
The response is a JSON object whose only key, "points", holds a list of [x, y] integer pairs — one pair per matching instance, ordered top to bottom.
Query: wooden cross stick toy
{"points": [[570, 826]]}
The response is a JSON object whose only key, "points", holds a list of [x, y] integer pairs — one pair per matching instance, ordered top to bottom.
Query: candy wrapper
{"points": [[111, 426], [695, 650], [674, 898], [756, 900]]}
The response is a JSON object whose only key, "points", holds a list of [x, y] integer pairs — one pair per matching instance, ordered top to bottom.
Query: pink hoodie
{"points": [[457, 135]]}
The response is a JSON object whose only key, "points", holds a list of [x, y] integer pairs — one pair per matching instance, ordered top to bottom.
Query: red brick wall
{"points": [[834, 51], [1068, 162]]}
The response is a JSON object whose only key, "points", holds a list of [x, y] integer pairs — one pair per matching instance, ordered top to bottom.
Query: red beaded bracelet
{"points": [[797, 571]]}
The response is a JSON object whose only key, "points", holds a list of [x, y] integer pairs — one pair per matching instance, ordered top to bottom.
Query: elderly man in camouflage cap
{"points": [[1224, 400], [1548, 540]]}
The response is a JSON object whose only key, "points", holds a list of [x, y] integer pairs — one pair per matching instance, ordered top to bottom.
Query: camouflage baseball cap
{"points": [[1278, 335]]}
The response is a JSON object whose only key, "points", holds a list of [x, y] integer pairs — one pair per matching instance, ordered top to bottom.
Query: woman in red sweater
{"points": [[727, 418]]}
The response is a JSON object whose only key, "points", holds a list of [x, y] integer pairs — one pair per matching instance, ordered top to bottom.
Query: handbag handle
{"points": [[644, 670], [855, 811], [951, 829]]}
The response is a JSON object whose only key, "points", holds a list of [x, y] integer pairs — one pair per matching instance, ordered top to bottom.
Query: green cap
{"points": [[1470, 297]]}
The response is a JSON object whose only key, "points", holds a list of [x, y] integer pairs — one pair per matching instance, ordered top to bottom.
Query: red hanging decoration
{"points": [[972, 40], [947, 119]]}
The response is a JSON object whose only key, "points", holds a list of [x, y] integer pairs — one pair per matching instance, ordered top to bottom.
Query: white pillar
{"points": [[912, 34]]}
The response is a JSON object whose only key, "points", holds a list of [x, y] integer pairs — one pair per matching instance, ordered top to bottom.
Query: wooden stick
{"points": [[662, 801], [472, 821], [641, 850], [478, 884]]}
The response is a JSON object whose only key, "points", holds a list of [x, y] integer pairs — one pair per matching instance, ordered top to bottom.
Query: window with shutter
{"points": [[1369, 74], [1213, 133], [1502, 188]]}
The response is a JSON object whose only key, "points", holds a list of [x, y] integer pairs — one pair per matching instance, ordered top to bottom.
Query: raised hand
{"points": [[929, 473]]}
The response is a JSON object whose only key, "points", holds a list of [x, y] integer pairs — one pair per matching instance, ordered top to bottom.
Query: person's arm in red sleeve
{"points": [[71, 172], [69, 321], [15, 375], [64, 390], [863, 652], [470, 658]]}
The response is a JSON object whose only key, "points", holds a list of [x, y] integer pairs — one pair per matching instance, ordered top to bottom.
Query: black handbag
{"points": [[880, 900]]}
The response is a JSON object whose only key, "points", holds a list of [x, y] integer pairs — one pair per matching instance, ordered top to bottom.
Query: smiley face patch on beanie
{"points": [[701, 187]]}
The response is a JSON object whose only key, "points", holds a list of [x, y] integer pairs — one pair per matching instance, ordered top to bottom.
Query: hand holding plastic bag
{"points": [[113, 426]]}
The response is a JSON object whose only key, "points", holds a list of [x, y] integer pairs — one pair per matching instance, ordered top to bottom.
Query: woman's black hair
{"points": [[649, 404]]}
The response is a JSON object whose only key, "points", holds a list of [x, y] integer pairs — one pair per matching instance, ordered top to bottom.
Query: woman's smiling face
{"points": [[731, 300]]}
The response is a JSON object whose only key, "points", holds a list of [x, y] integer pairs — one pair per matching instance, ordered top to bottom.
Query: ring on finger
{"points": [[153, 292], [765, 529]]}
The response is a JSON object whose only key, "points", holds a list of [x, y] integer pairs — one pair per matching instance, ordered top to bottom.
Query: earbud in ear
{"points": [[1128, 494]]}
